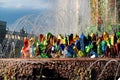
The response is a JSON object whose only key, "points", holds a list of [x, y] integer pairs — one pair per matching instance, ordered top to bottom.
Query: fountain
{"points": [[71, 17], [66, 18], [12, 50], [113, 60], [102, 72], [117, 72]]}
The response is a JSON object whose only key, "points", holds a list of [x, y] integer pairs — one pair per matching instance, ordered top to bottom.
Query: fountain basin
{"points": [[60, 68]]}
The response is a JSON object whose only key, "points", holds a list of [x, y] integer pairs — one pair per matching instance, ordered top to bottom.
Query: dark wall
{"points": [[2, 30]]}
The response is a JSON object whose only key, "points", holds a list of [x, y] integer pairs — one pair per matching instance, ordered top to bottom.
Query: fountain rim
{"points": [[59, 59]]}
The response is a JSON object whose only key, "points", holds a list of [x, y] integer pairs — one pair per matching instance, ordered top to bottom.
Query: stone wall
{"points": [[63, 69]]}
